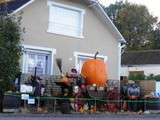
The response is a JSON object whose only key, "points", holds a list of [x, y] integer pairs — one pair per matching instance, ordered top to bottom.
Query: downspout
{"points": [[121, 45], [120, 52], [119, 60]]}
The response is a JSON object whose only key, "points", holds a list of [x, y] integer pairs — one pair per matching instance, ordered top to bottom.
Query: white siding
{"points": [[148, 69], [124, 71]]}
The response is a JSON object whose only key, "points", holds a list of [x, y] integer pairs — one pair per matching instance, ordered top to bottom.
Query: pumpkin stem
{"points": [[95, 56]]}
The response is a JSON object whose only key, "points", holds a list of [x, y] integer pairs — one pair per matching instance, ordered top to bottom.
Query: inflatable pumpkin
{"points": [[94, 72]]}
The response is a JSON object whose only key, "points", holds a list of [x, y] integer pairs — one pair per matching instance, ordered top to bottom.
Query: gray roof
{"points": [[12, 5], [141, 57]]}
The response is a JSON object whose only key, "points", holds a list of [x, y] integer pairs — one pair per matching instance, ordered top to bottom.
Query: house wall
{"points": [[96, 36], [148, 69]]}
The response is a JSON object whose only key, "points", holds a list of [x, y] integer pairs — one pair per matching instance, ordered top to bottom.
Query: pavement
{"points": [[58, 116]]}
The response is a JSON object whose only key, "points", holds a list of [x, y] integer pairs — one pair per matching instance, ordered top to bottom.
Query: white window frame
{"points": [[82, 11], [52, 50], [77, 54], [157, 88]]}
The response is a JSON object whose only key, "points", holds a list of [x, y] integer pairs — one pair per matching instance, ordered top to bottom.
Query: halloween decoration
{"points": [[59, 64], [94, 72], [64, 80], [133, 93], [113, 95]]}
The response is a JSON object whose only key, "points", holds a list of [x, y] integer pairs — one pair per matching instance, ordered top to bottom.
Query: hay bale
{"points": [[131, 81], [147, 86]]}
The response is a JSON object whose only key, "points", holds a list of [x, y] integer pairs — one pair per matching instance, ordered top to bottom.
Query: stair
{"points": [[51, 89]]}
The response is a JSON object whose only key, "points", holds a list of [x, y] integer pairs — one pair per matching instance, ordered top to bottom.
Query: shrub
{"points": [[10, 49], [136, 77], [153, 77]]}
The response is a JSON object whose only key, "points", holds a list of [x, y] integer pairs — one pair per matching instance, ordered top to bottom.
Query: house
{"points": [[72, 30], [146, 62]]}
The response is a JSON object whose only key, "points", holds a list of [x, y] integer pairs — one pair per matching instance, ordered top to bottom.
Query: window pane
{"points": [[65, 21], [40, 60], [31, 63], [41, 64], [158, 89]]}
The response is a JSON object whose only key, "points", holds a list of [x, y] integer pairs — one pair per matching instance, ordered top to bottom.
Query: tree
{"points": [[113, 10], [135, 23], [156, 36], [10, 49]]}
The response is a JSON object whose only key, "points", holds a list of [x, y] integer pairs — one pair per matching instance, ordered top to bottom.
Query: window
{"points": [[65, 20], [37, 58], [80, 58], [158, 89]]}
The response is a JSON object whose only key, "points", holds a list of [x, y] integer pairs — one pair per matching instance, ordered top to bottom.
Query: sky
{"points": [[152, 5]]}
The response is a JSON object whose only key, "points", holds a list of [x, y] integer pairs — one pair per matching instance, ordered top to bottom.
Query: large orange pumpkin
{"points": [[94, 72]]}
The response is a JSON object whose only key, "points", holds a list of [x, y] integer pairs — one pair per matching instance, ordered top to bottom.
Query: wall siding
{"points": [[96, 36], [148, 69]]}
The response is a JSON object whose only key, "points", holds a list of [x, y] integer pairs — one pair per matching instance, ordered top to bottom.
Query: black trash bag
{"points": [[11, 102], [65, 107]]}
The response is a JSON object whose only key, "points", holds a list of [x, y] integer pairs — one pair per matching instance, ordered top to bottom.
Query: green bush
{"points": [[10, 49], [136, 77], [143, 77], [153, 77], [157, 77]]}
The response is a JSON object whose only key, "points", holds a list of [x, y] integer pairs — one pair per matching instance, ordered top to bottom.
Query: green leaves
{"points": [[135, 23], [10, 49], [136, 77]]}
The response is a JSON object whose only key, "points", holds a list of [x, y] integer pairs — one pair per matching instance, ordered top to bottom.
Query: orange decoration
{"points": [[94, 72], [65, 80]]}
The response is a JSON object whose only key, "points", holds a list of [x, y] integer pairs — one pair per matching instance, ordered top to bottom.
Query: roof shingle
{"points": [[12, 6], [141, 57]]}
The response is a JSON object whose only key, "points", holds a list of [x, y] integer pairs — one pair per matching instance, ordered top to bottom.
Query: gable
{"points": [[16, 5], [98, 9]]}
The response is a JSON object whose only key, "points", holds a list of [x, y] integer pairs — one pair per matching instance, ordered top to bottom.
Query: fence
{"points": [[106, 100], [79, 105]]}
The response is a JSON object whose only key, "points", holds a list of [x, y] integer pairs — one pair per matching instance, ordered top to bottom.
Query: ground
{"points": [[79, 117]]}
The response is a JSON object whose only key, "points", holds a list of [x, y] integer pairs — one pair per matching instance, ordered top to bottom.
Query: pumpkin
{"points": [[94, 72]]}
